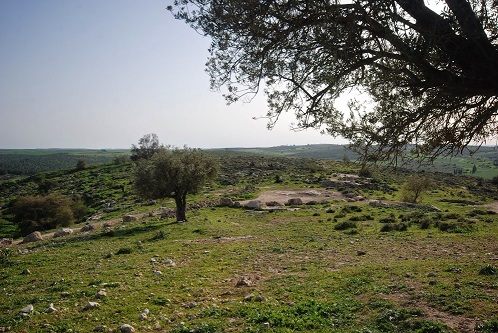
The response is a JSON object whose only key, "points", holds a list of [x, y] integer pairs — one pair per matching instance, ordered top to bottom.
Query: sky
{"points": [[103, 73]]}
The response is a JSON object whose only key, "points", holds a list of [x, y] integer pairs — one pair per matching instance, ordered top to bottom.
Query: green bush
{"points": [[37, 213], [345, 225], [394, 227], [488, 270], [490, 326]]}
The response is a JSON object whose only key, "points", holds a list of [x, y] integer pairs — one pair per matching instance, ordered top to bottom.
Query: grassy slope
{"points": [[302, 273]]}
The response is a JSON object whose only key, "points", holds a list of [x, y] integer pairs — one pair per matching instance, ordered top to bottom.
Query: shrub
{"points": [[37, 213], [345, 225], [394, 227], [455, 227], [125, 250], [488, 270], [490, 326]]}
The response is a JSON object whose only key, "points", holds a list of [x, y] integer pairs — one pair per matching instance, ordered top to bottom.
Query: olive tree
{"points": [[426, 71], [148, 145], [174, 173], [414, 187]]}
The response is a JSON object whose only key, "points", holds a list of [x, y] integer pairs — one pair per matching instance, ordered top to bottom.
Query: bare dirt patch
{"points": [[307, 196]]}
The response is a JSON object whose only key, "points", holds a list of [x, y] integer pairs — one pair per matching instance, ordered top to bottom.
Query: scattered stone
{"points": [[294, 201], [227, 202], [237, 204], [253, 204], [273, 204], [167, 213], [129, 218], [106, 225], [87, 227], [63, 232], [33, 237], [6, 242], [360, 253], [107, 256], [152, 260], [170, 262], [26, 272], [158, 273], [431, 274], [244, 281], [432, 282], [101, 293], [65, 294], [249, 298], [192, 304], [91, 305], [51, 308], [27, 309], [146, 311], [142, 316], [100, 328], [126, 328]]}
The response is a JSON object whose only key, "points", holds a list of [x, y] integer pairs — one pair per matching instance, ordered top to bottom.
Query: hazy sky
{"points": [[102, 73]]}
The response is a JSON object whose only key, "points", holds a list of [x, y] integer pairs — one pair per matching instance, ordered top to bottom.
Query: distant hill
{"points": [[319, 151], [33, 161]]}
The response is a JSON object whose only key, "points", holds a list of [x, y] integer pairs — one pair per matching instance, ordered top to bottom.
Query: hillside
{"points": [[351, 258]]}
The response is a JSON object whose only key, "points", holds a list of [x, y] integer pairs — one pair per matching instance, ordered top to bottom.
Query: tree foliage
{"points": [[426, 71], [148, 145], [174, 173], [414, 187], [38, 213]]}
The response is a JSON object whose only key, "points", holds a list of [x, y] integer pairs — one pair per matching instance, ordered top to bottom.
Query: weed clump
{"points": [[345, 225], [456, 226], [387, 227], [125, 250], [488, 270], [490, 326]]}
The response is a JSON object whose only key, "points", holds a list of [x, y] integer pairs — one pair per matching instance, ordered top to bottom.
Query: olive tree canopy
{"points": [[428, 70], [148, 145], [174, 173]]}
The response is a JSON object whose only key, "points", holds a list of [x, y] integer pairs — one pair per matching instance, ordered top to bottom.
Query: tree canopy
{"points": [[426, 72], [148, 145], [174, 173]]}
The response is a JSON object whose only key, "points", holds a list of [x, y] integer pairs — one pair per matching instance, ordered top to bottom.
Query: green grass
{"points": [[327, 267], [300, 275]]}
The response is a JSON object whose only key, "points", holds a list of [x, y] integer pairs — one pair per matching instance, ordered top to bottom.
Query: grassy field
{"points": [[372, 265]]}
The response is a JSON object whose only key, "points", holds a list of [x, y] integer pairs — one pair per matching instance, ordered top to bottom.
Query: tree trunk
{"points": [[181, 207]]}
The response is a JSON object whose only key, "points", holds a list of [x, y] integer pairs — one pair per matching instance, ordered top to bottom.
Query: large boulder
{"points": [[224, 202], [295, 202], [253, 204], [129, 218], [87, 227], [63, 232], [33, 237], [6, 241]]}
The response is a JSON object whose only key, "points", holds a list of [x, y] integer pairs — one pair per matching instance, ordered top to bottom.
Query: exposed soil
{"points": [[283, 196]]}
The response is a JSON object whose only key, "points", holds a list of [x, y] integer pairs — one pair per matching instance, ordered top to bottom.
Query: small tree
{"points": [[148, 145], [81, 165], [174, 173], [414, 186], [37, 213]]}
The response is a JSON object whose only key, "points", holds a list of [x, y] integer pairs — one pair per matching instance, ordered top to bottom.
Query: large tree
{"points": [[426, 72], [174, 173]]}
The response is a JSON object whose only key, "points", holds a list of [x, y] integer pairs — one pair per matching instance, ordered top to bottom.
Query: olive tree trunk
{"points": [[181, 207]]}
